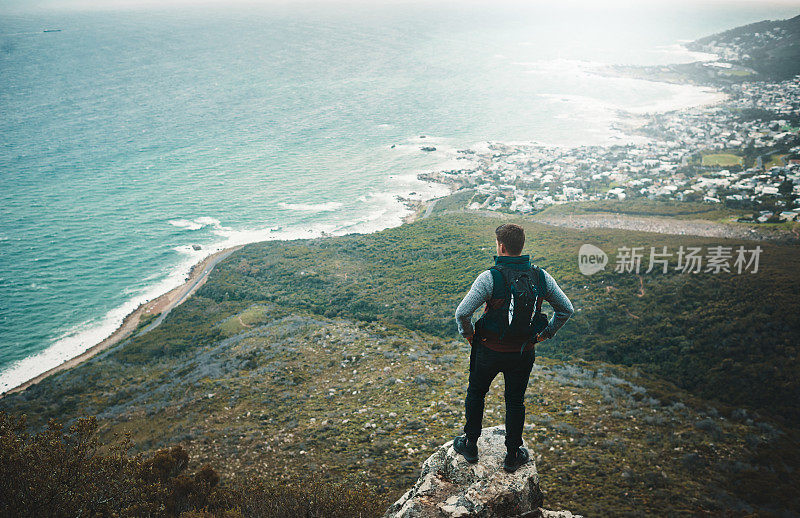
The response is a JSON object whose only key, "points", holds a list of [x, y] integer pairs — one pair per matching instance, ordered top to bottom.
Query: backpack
{"points": [[521, 318]]}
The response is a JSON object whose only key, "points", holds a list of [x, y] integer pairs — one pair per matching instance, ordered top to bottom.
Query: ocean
{"points": [[136, 131]]}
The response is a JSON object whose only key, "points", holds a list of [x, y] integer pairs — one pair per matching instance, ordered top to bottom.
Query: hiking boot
{"points": [[466, 448], [516, 459]]}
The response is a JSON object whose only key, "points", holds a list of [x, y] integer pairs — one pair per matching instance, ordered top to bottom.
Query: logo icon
{"points": [[591, 259]]}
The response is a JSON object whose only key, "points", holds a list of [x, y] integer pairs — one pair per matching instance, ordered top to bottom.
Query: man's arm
{"points": [[479, 294], [562, 307]]}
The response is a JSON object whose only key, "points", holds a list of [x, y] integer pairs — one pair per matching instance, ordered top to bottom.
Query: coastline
{"points": [[627, 123], [419, 209], [164, 303], [160, 306]]}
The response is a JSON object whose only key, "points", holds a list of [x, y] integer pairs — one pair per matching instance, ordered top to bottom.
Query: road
{"points": [[188, 289]]}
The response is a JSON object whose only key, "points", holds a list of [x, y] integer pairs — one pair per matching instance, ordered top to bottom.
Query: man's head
{"points": [[510, 239]]}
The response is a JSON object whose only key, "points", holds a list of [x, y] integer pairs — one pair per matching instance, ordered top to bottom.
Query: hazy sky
{"points": [[10, 6]]}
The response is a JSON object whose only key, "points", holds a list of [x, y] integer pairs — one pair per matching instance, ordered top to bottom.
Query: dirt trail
{"points": [[665, 225], [629, 313], [239, 318]]}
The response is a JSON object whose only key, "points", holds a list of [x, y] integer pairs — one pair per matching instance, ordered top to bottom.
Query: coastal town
{"points": [[742, 153]]}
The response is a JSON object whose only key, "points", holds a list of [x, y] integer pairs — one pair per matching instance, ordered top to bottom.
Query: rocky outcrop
{"points": [[449, 486]]}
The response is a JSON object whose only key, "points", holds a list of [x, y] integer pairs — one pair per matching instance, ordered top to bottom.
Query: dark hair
{"points": [[511, 236]]}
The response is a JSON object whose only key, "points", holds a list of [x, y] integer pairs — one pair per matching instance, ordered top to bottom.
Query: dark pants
{"points": [[516, 370]]}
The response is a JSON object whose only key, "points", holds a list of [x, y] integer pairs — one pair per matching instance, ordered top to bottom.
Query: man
{"points": [[492, 353]]}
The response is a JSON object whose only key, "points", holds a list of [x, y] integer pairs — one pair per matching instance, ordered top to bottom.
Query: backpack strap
{"points": [[541, 285], [499, 288]]}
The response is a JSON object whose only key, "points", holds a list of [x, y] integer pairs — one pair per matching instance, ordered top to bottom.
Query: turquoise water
{"points": [[134, 133]]}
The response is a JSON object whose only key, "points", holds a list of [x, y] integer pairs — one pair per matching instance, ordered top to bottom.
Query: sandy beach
{"points": [[163, 304], [160, 306]]}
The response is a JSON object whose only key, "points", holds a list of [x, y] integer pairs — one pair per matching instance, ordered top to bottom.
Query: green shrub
{"points": [[69, 473]]}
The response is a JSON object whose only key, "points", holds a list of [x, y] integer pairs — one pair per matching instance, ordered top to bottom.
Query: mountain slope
{"points": [[770, 47], [726, 336], [338, 355], [285, 394]]}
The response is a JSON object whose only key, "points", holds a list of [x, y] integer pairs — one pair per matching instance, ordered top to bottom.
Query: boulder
{"points": [[449, 486]]}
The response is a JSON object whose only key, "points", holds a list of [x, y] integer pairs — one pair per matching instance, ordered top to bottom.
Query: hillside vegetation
{"points": [[770, 47], [725, 336], [339, 356], [75, 474]]}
